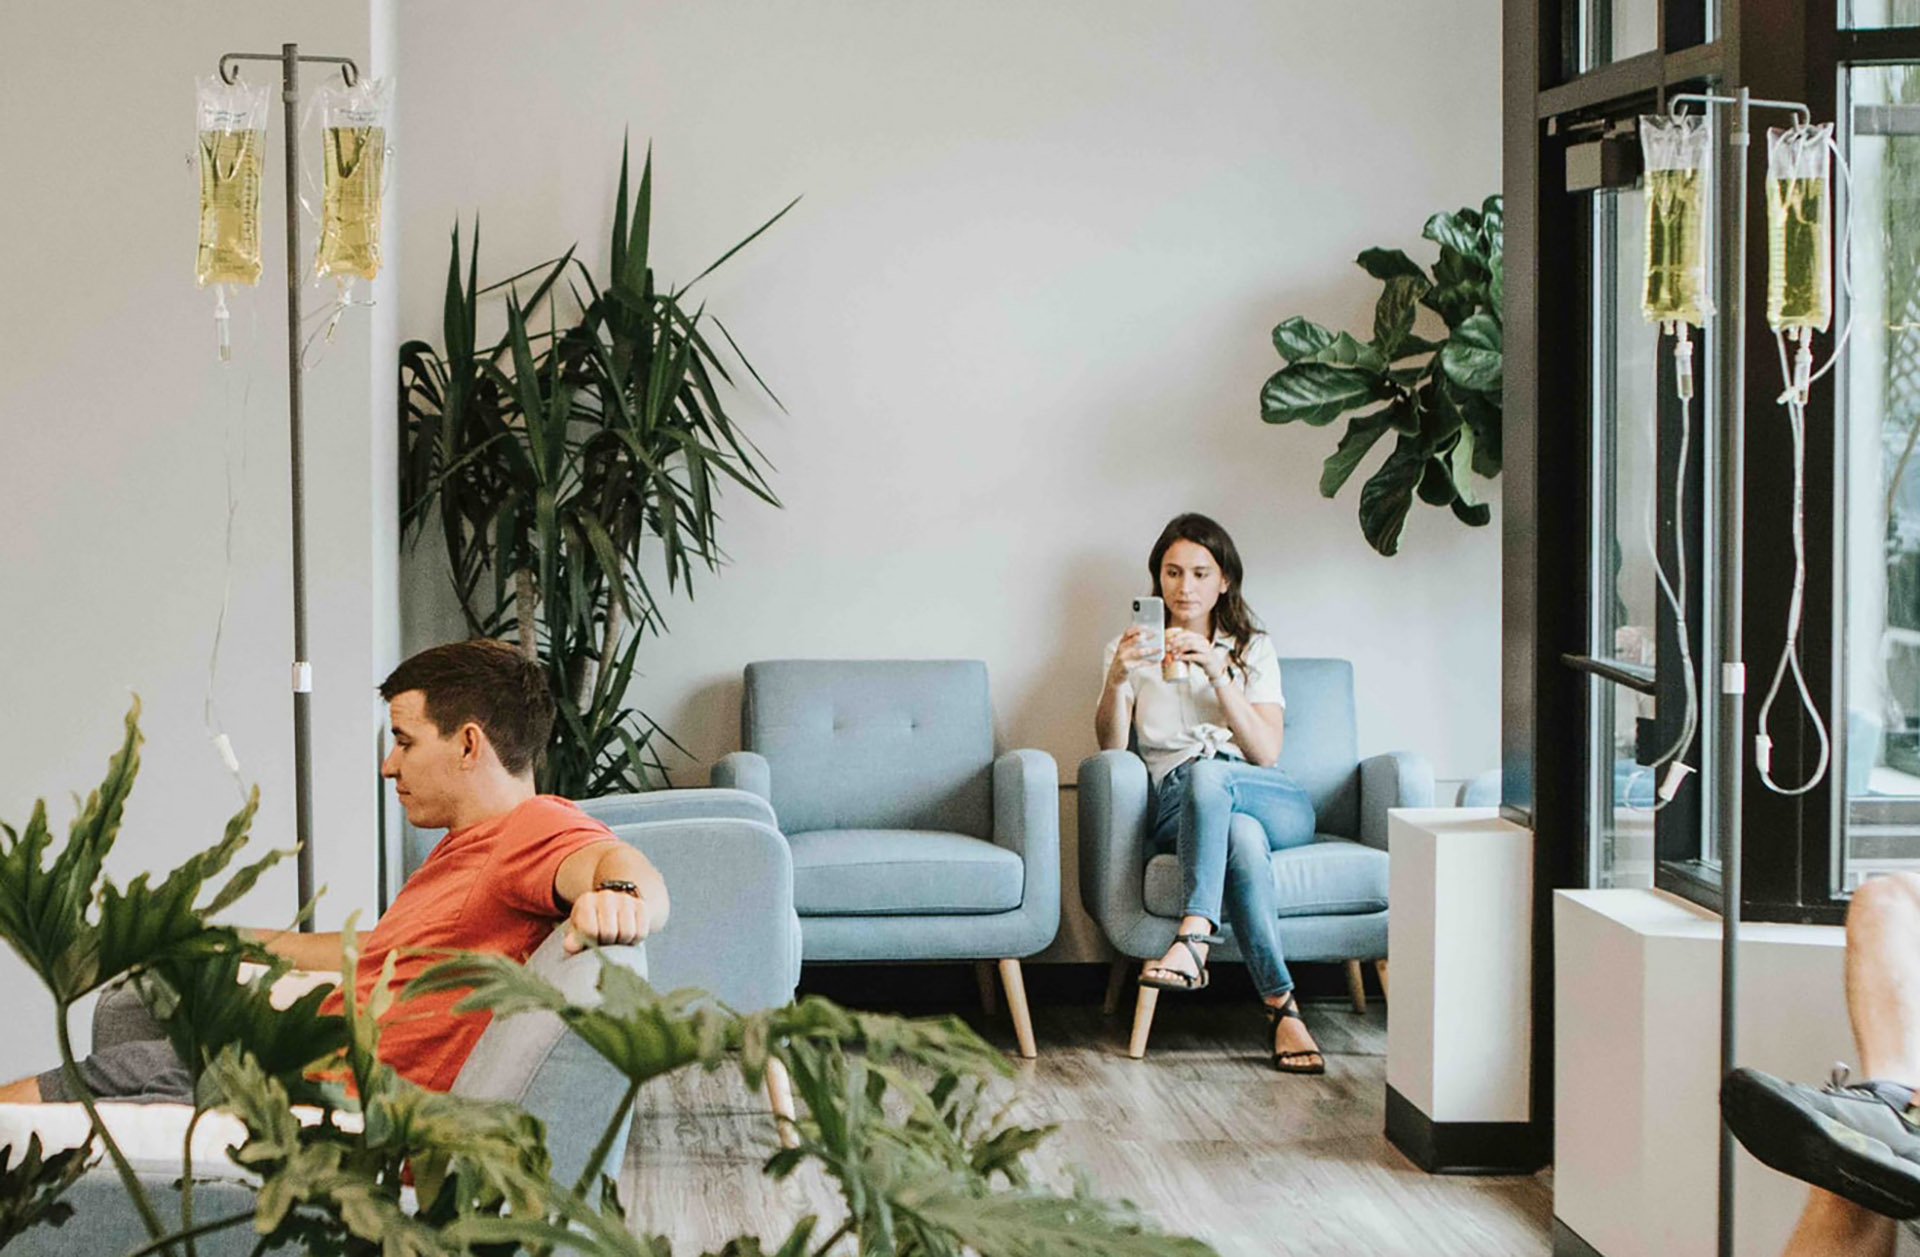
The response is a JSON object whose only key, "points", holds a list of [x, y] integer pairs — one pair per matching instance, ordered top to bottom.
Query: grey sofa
{"points": [[910, 839], [1331, 893], [530, 1059]]}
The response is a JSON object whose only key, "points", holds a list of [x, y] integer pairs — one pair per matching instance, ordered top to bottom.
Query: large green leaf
{"points": [[1458, 230], [1390, 264], [1393, 316], [1299, 339], [1472, 357], [1317, 394], [1361, 436], [1387, 495], [31, 1185]]}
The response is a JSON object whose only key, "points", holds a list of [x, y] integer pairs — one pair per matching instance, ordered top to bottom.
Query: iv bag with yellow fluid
{"points": [[353, 123], [233, 139], [1678, 162], [1799, 227]]}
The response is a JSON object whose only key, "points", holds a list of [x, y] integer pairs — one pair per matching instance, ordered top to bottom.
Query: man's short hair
{"points": [[487, 682]]}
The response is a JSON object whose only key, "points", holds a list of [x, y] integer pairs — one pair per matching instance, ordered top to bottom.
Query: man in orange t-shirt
{"points": [[469, 721]]}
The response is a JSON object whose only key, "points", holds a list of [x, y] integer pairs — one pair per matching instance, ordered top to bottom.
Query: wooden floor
{"points": [[1202, 1135]]}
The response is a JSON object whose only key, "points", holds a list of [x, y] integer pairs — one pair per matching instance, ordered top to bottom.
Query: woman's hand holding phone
{"points": [[1134, 651]]}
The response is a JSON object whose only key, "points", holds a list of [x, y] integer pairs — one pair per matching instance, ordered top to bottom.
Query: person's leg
{"points": [[1192, 808], [1286, 818], [1883, 977], [132, 1060], [1855, 1143]]}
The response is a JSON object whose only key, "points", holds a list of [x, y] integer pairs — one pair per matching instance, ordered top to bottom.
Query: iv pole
{"points": [[289, 58], [1730, 757]]}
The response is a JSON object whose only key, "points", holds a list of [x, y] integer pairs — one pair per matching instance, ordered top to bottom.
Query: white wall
{"points": [[1020, 318], [117, 428]]}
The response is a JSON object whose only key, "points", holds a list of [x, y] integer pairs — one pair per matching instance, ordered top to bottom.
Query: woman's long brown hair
{"points": [[1230, 614]]}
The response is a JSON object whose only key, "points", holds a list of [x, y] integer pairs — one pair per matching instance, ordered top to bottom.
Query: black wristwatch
{"points": [[625, 888]]}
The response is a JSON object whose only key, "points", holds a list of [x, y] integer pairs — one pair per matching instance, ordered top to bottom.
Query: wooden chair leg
{"points": [[1123, 967], [1380, 967], [983, 975], [1016, 984], [1356, 986], [1142, 1021], [780, 1100]]}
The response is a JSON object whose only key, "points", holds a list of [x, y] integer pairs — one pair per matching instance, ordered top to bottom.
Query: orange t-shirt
{"points": [[488, 888]]}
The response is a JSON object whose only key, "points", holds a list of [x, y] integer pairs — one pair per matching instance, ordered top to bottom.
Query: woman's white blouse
{"points": [[1175, 721]]}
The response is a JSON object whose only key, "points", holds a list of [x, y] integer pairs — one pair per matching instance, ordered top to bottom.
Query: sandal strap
{"points": [[1188, 941], [1275, 1015], [1297, 1052]]}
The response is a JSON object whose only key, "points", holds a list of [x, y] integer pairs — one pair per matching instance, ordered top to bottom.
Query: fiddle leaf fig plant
{"points": [[1440, 399]]}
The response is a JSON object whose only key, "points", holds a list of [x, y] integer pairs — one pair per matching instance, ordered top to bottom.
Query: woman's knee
{"points": [[1209, 777], [1246, 846]]}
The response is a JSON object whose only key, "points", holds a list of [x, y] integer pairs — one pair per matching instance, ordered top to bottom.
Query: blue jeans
{"points": [[1193, 810]]}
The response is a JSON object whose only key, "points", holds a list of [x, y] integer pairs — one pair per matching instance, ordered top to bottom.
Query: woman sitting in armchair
{"points": [[1204, 709]]}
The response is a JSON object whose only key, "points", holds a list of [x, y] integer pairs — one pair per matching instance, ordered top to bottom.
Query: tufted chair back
{"points": [[873, 744]]}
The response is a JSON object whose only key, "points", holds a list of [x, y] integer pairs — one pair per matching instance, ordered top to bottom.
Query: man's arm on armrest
{"points": [[610, 916], [318, 952]]}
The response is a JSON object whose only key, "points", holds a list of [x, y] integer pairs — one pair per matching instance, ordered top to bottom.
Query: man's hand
{"points": [[606, 916]]}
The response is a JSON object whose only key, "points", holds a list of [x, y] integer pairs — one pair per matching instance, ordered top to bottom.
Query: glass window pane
{"points": [[1869, 14], [1613, 30], [1625, 472], [1880, 767]]}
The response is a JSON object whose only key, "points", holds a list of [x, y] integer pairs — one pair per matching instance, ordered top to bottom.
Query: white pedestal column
{"points": [[1460, 1033]]}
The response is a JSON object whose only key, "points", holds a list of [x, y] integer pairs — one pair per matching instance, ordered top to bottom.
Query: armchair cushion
{"points": [[901, 872], [1331, 877]]}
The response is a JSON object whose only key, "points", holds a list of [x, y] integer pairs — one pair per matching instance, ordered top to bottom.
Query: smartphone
{"points": [[1151, 614]]}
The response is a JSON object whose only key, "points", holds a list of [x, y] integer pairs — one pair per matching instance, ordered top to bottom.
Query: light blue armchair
{"points": [[910, 839], [1331, 894]]}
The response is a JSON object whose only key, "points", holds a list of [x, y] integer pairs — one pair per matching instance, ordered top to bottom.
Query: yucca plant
{"points": [[1441, 399], [553, 458], [894, 1110]]}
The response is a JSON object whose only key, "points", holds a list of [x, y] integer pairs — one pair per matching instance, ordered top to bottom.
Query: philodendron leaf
{"points": [[1496, 286], [1299, 339], [1472, 357], [1317, 394], [1362, 434], [1460, 468], [1436, 483], [1388, 495], [1476, 516], [43, 906], [31, 1185], [1019, 1224]]}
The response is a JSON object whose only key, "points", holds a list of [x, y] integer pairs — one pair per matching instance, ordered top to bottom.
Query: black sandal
{"points": [[1196, 981], [1288, 1062]]}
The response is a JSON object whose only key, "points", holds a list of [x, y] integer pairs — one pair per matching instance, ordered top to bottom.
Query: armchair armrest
{"points": [[743, 770], [1395, 779], [654, 806], [1026, 821], [1113, 851], [733, 932]]}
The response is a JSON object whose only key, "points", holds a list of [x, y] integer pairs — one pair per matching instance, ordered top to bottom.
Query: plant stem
{"points": [[525, 603], [609, 642], [605, 1145], [128, 1178], [186, 1181], [205, 1228], [846, 1229]]}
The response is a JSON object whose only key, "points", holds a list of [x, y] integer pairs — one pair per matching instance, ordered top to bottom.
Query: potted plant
{"points": [[1440, 398], [550, 459]]}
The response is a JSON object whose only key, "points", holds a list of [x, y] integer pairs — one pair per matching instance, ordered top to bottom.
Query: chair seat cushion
{"points": [[901, 872], [1329, 877]]}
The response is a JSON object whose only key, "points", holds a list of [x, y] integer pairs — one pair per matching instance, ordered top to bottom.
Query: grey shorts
{"points": [[133, 1061]]}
